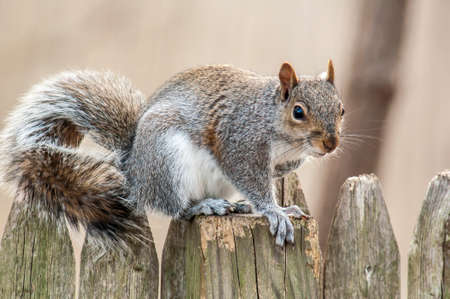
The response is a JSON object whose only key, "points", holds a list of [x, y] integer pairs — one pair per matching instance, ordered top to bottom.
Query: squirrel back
{"points": [[40, 157]]}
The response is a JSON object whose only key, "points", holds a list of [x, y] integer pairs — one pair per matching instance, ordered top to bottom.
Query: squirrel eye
{"points": [[342, 112], [299, 113]]}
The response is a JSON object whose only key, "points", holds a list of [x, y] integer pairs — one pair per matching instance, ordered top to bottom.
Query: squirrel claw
{"points": [[209, 206], [241, 207], [296, 212], [280, 226]]}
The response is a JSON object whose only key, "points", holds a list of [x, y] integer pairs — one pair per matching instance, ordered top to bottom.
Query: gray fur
{"points": [[248, 113], [206, 132], [40, 158], [283, 169], [209, 206], [216, 206]]}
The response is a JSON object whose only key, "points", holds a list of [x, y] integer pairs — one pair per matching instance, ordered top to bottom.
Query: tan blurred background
{"points": [[149, 41]]}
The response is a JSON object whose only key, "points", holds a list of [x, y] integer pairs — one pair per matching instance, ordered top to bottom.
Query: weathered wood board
{"points": [[289, 192], [429, 253], [36, 256], [236, 257], [362, 257], [118, 273]]}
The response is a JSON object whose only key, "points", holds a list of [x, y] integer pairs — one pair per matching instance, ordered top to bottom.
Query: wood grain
{"points": [[289, 192], [429, 253], [36, 256], [236, 257], [362, 257], [120, 273]]}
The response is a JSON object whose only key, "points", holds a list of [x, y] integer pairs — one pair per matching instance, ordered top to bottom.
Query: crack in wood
{"points": [[236, 259], [23, 261], [31, 262], [256, 264]]}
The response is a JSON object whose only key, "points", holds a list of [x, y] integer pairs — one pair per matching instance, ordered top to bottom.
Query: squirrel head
{"points": [[311, 111]]}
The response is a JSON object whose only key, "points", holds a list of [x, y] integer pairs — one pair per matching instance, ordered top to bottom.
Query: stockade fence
{"points": [[236, 257]]}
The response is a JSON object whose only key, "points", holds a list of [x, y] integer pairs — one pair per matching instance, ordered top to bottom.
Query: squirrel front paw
{"points": [[280, 226]]}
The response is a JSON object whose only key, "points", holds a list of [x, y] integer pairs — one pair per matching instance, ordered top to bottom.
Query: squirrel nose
{"points": [[330, 143]]}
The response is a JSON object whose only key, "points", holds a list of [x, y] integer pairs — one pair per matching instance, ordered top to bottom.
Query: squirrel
{"points": [[205, 134]]}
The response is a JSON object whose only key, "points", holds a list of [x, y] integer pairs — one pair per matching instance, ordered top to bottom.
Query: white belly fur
{"points": [[196, 171]]}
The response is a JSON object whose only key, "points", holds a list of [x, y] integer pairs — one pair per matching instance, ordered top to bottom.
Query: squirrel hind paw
{"points": [[209, 206], [242, 207]]}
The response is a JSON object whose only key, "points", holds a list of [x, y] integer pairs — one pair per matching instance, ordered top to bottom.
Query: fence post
{"points": [[289, 192], [429, 253], [36, 255], [236, 257], [362, 257], [110, 273]]}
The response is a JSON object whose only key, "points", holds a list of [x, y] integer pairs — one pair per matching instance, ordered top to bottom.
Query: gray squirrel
{"points": [[205, 134]]}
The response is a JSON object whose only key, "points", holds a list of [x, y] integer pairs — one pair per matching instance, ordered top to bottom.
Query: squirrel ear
{"points": [[330, 72], [288, 79]]}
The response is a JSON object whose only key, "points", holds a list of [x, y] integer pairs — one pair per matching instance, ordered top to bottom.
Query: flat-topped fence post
{"points": [[289, 192], [235, 256]]}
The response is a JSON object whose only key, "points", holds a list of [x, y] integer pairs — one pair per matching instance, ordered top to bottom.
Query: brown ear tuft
{"points": [[330, 72], [288, 79]]}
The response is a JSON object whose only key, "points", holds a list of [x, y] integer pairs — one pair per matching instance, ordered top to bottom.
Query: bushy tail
{"points": [[40, 158]]}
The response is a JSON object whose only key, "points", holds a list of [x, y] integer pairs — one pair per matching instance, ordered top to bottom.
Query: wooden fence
{"points": [[235, 256]]}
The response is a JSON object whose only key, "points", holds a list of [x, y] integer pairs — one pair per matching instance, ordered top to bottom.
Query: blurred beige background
{"points": [[149, 41]]}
